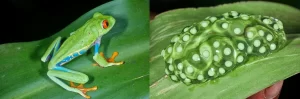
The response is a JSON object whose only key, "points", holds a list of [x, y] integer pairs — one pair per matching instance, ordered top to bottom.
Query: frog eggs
{"points": [[217, 45]]}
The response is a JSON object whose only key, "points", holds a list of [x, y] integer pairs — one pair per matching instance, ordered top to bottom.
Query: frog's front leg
{"points": [[100, 58], [72, 76]]}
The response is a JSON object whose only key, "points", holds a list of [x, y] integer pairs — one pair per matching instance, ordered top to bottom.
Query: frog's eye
{"points": [[105, 24]]}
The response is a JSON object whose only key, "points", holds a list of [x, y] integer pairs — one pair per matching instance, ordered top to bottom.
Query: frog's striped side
{"points": [[218, 44]]}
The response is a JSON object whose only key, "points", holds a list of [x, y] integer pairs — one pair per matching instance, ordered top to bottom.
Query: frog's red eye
{"points": [[105, 24]]}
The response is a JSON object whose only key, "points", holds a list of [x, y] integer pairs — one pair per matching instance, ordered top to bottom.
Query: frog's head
{"points": [[103, 22]]}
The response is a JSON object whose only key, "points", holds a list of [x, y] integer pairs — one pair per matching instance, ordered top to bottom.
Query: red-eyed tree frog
{"points": [[75, 45]]}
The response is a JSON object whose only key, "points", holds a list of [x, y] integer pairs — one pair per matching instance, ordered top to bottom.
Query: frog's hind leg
{"points": [[52, 49], [72, 76]]}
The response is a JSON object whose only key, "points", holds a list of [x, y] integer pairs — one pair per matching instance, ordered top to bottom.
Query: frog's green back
{"points": [[73, 44], [218, 44]]}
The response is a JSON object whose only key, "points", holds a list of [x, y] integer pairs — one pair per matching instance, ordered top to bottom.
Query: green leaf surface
{"points": [[23, 74], [243, 81]]}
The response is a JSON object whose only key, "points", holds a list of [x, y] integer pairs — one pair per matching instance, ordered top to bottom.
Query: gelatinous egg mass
{"points": [[217, 45]]}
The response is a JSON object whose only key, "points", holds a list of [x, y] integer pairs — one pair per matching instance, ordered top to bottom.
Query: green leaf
{"points": [[23, 74], [243, 81]]}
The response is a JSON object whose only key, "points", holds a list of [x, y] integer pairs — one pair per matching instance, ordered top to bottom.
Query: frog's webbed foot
{"points": [[111, 59], [83, 90]]}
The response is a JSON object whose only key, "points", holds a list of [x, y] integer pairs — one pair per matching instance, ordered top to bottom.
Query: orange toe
{"points": [[112, 58], [84, 90]]}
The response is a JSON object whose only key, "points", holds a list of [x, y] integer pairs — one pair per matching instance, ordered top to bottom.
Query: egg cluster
{"points": [[218, 44]]}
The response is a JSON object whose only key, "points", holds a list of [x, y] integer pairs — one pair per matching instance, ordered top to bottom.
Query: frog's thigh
{"points": [[68, 75]]}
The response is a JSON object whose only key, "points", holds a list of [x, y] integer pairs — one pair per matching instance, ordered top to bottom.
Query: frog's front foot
{"points": [[111, 59], [83, 90]]}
